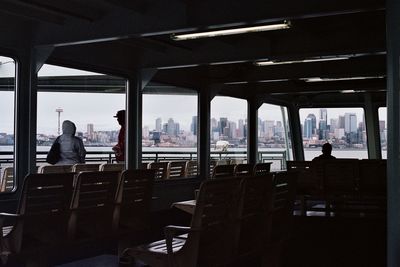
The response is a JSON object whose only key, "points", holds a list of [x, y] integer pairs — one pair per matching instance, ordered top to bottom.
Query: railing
{"points": [[278, 158]]}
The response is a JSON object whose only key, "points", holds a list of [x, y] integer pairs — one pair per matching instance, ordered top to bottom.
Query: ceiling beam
{"points": [[164, 17], [291, 87]]}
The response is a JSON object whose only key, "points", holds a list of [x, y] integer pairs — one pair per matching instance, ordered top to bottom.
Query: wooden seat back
{"points": [[236, 161], [224, 162], [213, 163], [144, 165], [83, 167], [118, 167], [161, 168], [192, 168], [262, 168], [55, 169], [178, 169], [244, 169], [223, 171], [339, 176], [372, 177], [7, 181], [307, 182], [284, 187], [133, 199], [93, 204], [255, 208], [43, 211], [212, 242]]}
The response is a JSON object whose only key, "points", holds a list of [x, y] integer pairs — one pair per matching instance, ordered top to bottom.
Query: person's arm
{"points": [[81, 151]]}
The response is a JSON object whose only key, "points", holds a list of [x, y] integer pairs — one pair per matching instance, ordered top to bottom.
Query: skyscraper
{"points": [[323, 114], [313, 121], [223, 122], [350, 123], [158, 124], [193, 126], [171, 127], [308, 128], [241, 129], [90, 131]]}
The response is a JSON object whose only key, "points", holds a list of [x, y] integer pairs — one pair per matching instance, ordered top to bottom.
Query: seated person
{"points": [[326, 152]]}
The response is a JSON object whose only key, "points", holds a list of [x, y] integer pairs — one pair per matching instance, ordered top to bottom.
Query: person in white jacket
{"points": [[72, 149]]}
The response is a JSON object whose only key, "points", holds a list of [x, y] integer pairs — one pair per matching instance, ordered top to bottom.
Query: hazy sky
{"points": [[98, 109]]}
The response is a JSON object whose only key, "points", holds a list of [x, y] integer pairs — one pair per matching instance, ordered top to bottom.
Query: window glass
{"points": [[7, 96], [89, 100], [382, 113], [343, 128], [228, 129], [169, 133], [274, 142]]}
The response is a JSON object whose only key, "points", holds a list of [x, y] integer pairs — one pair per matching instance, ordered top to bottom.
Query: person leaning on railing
{"points": [[67, 148], [119, 148]]}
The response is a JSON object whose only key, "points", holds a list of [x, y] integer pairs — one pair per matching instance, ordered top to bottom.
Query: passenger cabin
{"points": [[242, 88]]}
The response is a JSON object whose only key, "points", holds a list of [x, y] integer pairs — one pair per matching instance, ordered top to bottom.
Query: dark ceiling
{"points": [[121, 37]]}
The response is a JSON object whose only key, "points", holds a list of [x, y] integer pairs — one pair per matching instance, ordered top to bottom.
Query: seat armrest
{"points": [[4, 214], [171, 231]]}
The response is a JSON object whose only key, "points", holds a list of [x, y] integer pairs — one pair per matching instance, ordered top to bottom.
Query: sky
{"points": [[99, 109]]}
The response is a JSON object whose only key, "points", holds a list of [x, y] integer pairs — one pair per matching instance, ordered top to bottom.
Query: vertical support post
{"points": [[393, 111], [25, 116], [133, 128], [295, 128], [372, 128], [252, 130], [203, 137]]}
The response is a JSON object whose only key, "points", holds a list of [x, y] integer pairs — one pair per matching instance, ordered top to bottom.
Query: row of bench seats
{"points": [[164, 170], [342, 184], [60, 210], [236, 220]]}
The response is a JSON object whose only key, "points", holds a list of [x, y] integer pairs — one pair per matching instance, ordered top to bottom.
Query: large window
{"points": [[7, 96], [89, 100], [382, 113], [344, 128], [170, 129], [228, 129], [274, 142]]}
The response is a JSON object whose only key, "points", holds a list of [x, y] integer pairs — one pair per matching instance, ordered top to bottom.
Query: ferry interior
{"points": [[260, 199]]}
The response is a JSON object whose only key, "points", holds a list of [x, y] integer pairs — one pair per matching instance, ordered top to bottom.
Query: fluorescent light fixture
{"points": [[261, 28], [275, 62], [318, 79], [233, 83], [347, 91]]}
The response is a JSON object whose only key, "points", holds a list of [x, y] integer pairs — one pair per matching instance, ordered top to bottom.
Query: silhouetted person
{"points": [[71, 147], [119, 148], [326, 152]]}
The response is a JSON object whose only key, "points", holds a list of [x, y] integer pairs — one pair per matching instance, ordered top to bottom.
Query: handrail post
{"points": [[204, 106], [133, 129], [393, 148]]}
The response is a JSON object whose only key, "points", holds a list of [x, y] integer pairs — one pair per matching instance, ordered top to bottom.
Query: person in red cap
{"points": [[119, 148]]}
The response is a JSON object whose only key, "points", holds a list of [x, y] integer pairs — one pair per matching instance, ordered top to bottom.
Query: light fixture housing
{"points": [[189, 36], [308, 60], [318, 79]]}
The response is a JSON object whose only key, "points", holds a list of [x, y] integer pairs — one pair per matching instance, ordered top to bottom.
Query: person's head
{"points": [[120, 117], [68, 127], [327, 149]]}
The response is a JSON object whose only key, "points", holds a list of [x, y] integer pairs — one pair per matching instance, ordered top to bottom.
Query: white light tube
{"points": [[271, 27], [272, 62]]}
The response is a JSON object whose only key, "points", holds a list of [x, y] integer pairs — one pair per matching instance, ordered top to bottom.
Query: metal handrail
{"points": [[6, 157]]}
